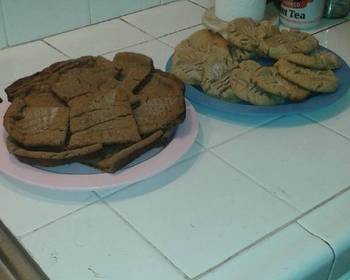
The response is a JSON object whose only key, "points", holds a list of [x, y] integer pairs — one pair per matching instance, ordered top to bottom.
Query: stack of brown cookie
{"points": [[224, 67], [93, 111]]}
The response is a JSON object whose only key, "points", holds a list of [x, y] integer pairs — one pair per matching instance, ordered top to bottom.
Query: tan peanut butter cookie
{"points": [[246, 34], [287, 42], [191, 54], [238, 54], [322, 60], [188, 65], [216, 75], [268, 79], [310, 79], [246, 89]]}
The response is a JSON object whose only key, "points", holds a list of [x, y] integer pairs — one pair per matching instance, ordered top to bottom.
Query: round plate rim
{"points": [[316, 102], [183, 140]]}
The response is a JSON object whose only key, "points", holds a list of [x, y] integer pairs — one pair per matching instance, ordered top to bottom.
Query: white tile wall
{"points": [[166, 19], [98, 39], [25, 60]]}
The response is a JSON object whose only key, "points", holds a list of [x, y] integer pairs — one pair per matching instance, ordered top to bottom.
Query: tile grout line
{"points": [[199, 5], [89, 7], [142, 10], [128, 14], [122, 18], [86, 26], [136, 27], [330, 27], [180, 30], [173, 33], [164, 35], [161, 36], [46, 37], [153, 38], [149, 40], [130, 46], [55, 48], [326, 127], [249, 130], [252, 179], [255, 181], [133, 184], [115, 192], [102, 200], [323, 202], [302, 214], [138, 233], [272, 233], [25, 235], [265, 237], [327, 244]]}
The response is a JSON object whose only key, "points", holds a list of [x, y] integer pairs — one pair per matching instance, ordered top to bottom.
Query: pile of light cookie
{"points": [[227, 68]]}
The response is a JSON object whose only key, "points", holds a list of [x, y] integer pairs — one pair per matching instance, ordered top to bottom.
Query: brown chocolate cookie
{"points": [[134, 68], [162, 104], [93, 110], [37, 126], [51, 158]]}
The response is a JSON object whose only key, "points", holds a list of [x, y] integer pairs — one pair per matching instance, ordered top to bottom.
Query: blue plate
{"points": [[316, 101]]}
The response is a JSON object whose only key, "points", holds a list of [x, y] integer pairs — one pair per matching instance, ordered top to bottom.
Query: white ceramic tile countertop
{"points": [[255, 198]]}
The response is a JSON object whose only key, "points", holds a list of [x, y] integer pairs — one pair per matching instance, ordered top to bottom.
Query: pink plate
{"points": [[53, 178]]}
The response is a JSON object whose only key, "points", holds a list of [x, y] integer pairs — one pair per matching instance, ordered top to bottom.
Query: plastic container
{"points": [[337, 8], [228, 10], [301, 14]]}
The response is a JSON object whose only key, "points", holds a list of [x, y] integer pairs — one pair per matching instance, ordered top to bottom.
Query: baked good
{"points": [[241, 33], [246, 34], [203, 40], [287, 42], [192, 53], [238, 54], [322, 60], [188, 65], [134, 68], [225, 68], [216, 75], [268, 79], [310, 79], [42, 81], [246, 89], [162, 104], [94, 111], [37, 126], [51, 158], [114, 159]]}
